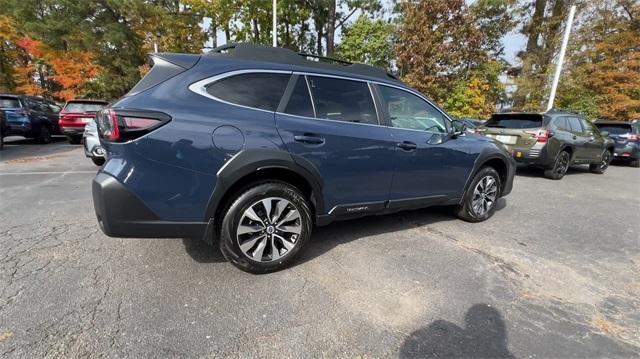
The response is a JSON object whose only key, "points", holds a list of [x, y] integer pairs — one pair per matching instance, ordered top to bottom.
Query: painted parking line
{"points": [[46, 173]]}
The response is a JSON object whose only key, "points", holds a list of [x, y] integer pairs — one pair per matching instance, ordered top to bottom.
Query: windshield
{"points": [[9, 102], [84, 106], [515, 121], [621, 129]]}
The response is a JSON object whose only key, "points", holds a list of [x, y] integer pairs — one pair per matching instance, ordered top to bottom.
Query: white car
{"points": [[91, 142]]}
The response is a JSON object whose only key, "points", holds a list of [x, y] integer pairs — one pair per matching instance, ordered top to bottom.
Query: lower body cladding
{"points": [[121, 214]]}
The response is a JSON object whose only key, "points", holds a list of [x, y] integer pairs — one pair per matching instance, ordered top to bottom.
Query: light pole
{"points": [[275, 28], [563, 48]]}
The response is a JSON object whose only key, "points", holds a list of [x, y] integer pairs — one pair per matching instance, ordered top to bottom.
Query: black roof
{"points": [[287, 56]]}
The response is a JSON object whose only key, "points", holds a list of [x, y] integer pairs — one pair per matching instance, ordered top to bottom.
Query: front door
{"points": [[339, 134], [431, 165]]}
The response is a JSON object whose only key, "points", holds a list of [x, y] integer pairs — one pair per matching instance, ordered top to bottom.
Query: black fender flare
{"points": [[485, 156], [247, 162]]}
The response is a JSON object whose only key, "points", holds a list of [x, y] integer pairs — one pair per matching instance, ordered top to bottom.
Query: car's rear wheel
{"points": [[45, 135], [74, 140], [560, 166], [601, 167], [480, 199], [265, 227]]}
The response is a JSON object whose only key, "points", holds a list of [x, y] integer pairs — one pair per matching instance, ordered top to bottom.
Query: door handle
{"points": [[575, 137], [310, 140], [407, 145]]}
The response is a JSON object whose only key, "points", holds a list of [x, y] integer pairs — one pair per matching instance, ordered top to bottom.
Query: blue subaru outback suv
{"points": [[251, 146]]}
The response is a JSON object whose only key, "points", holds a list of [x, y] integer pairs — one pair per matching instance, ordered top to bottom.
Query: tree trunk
{"points": [[256, 31]]}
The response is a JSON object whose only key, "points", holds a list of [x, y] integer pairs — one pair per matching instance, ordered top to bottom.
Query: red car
{"points": [[74, 116]]}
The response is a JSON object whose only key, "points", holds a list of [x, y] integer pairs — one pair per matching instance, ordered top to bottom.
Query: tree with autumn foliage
{"points": [[451, 51], [602, 76]]}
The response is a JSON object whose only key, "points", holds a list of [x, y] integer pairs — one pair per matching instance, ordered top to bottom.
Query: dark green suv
{"points": [[553, 140]]}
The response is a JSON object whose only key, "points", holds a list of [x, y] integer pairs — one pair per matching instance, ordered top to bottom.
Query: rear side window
{"points": [[256, 90], [342, 100], [300, 101], [9, 102], [84, 106], [515, 121], [562, 124], [615, 129]]}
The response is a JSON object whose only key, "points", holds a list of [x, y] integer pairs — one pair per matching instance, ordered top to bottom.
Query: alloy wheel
{"points": [[604, 163], [562, 164], [484, 195], [269, 229]]}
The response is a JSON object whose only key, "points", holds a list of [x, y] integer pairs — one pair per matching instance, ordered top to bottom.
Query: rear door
{"points": [[332, 123]]}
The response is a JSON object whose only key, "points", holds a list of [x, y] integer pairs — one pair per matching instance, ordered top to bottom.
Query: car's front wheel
{"points": [[44, 136], [98, 161], [601, 167], [480, 199], [265, 226]]}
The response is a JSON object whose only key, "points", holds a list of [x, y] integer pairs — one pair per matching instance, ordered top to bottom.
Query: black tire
{"points": [[44, 136], [1, 140], [74, 140], [98, 161], [635, 163], [560, 166], [601, 167], [249, 198], [467, 211]]}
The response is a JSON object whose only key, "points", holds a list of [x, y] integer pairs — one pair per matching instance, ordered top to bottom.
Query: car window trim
{"points": [[200, 87]]}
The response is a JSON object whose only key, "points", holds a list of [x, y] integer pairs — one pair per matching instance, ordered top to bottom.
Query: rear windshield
{"points": [[9, 102], [84, 106], [515, 121], [615, 129]]}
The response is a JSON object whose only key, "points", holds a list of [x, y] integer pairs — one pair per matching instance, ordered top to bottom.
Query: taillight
{"points": [[116, 125], [541, 135], [633, 138]]}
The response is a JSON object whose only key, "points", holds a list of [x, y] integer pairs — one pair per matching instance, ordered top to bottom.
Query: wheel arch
{"points": [[251, 166]]}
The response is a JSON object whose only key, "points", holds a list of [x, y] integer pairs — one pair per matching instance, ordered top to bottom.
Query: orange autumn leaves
{"points": [[64, 72]]}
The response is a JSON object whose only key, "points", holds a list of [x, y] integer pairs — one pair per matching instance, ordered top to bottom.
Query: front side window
{"points": [[257, 90], [342, 100], [409, 111], [574, 124]]}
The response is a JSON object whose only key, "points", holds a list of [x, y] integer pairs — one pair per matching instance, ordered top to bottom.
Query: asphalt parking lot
{"points": [[556, 273]]}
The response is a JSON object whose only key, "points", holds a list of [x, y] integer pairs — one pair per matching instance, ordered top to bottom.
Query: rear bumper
{"points": [[72, 131], [627, 153], [531, 156], [121, 214]]}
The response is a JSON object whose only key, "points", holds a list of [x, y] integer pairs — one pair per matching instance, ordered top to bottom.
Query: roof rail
{"points": [[287, 56]]}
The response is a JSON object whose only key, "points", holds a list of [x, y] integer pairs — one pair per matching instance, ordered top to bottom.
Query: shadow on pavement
{"points": [[539, 172], [324, 239], [484, 336]]}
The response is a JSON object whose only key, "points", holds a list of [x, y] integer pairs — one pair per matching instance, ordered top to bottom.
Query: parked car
{"points": [[76, 114], [30, 116], [3, 128], [553, 140], [627, 140], [91, 142], [254, 146]]}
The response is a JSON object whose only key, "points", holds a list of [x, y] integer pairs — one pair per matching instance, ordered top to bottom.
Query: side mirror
{"points": [[457, 128]]}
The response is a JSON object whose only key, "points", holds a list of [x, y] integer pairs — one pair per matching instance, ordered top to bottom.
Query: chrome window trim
{"points": [[200, 87], [375, 105]]}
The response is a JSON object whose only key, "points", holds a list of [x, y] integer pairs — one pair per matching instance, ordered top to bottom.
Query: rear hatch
{"points": [[79, 113], [515, 130], [621, 133]]}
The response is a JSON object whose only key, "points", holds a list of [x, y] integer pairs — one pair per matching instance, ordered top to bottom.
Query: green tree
{"points": [[367, 41]]}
